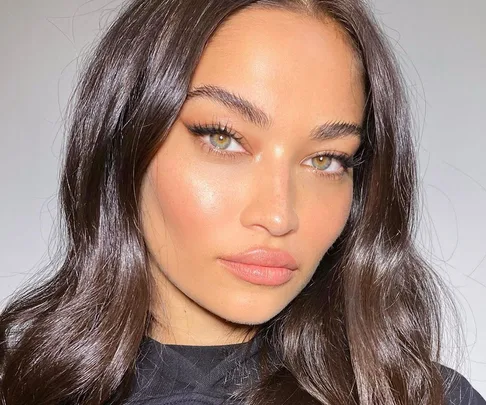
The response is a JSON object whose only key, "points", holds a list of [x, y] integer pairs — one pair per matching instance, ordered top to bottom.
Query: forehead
{"points": [[290, 64]]}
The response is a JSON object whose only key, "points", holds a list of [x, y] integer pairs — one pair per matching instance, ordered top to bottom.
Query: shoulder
{"points": [[459, 391]]}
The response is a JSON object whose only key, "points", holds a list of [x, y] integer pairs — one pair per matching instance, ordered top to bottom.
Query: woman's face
{"points": [[270, 78]]}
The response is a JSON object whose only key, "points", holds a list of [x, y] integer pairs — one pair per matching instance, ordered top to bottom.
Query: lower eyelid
{"points": [[329, 175]]}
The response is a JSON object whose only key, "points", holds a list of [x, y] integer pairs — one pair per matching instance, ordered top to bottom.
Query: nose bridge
{"points": [[272, 198]]}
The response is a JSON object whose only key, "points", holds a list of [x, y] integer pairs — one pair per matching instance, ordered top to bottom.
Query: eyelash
{"points": [[347, 162]]}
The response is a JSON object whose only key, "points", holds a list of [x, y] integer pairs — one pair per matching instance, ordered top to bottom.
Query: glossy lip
{"points": [[264, 257], [259, 275]]}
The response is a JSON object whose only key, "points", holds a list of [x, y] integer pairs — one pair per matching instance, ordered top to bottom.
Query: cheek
{"points": [[192, 201], [323, 216]]}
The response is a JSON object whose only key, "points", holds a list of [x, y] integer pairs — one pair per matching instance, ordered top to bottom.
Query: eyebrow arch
{"points": [[233, 101], [255, 115], [336, 130]]}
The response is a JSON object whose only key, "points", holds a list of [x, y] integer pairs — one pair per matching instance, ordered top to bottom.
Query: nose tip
{"points": [[271, 205], [281, 223], [276, 225]]}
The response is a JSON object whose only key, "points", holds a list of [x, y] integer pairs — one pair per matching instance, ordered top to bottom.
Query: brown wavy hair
{"points": [[365, 330]]}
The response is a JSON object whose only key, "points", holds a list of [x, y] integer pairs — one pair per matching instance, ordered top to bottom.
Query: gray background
{"points": [[442, 46]]}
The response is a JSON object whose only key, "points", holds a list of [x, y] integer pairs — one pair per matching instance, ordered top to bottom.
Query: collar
{"points": [[180, 374]]}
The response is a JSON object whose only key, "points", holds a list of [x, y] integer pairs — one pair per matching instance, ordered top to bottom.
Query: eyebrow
{"points": [[258, 117]]}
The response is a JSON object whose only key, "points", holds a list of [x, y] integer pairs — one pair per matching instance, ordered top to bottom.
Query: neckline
{"points": [[226, 346], [197, 368]]}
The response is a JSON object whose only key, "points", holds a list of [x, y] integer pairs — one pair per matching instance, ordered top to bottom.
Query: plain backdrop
{"points": [[442, 46]]}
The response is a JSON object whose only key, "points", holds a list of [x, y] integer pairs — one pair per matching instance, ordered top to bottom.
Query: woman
{"points": [[238, 191]]}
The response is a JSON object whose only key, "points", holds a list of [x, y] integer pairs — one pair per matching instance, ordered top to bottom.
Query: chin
{"points": [[251, 315]]}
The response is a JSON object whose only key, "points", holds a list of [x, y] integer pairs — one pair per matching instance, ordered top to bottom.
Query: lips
{"points": [[264, 257]]}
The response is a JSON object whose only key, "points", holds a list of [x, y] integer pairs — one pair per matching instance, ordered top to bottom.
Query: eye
{"points": [[218, 139], [223, 141], [321, 162], [331, 164]]}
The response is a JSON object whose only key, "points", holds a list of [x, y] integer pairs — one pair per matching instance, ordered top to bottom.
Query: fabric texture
{"points": [[202, 375], [206, 375]]}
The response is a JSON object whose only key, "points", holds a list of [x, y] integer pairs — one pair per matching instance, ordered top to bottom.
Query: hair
{"points": [[365, 330]]}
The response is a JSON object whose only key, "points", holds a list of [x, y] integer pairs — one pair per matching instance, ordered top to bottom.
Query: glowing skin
{"points": [[198, 206]]}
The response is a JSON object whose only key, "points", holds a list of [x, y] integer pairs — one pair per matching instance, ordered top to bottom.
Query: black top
{"points": [[205, 375]]}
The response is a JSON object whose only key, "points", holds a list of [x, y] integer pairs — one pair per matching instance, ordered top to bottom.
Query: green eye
{"points": [[220, 141], [321, 162]]}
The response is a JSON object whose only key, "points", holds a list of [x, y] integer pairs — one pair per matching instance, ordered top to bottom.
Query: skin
{"points": [[198, 206]]}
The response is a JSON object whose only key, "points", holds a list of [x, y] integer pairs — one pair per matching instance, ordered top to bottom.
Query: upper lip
{"points": [[262, 256]]}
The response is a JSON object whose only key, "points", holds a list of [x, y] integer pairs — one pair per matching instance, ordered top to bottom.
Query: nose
{"points": [[271, 201]]}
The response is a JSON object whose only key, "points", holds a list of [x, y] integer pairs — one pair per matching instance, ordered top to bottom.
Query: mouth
{"points": [[266, 257], [261, 266], [260, 275]]}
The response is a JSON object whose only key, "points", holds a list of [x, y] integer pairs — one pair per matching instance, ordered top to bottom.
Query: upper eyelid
{"points": [[216, 126]]}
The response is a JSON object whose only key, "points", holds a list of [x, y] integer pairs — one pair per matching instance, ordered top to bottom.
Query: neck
{"points": [[195, 336]]}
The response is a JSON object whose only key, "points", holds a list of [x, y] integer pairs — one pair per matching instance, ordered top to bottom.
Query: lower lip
{"points": [[260, 275]]}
